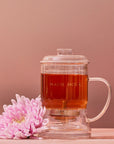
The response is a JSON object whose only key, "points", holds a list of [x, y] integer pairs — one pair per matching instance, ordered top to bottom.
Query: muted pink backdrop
{"points": [[31, 29]]}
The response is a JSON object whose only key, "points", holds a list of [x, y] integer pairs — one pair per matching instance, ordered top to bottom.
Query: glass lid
{"points": [[65, 56]]}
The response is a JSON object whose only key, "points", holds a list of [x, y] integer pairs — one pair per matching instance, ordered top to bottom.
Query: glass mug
{"points": [[64, 92]]}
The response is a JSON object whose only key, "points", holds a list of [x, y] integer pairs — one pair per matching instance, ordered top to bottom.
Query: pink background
{"points": [[31, 29]]}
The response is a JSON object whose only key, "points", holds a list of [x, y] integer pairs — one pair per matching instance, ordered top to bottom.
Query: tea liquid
{"points": [[64, 91]]}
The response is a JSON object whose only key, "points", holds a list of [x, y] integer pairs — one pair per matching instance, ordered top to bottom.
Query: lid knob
{"points": [[61, 51]]}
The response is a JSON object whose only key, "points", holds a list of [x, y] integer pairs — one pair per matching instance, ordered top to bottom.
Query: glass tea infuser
{"points": [[64, 93]]}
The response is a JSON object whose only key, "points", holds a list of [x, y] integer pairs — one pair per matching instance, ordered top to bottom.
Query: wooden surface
{"points": [[98, 136]]}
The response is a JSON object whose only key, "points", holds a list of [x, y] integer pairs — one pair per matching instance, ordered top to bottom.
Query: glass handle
{"points": [[107, 101]]}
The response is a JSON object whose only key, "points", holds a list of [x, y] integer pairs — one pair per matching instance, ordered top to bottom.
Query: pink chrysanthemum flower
{"points": [[23, 118]]}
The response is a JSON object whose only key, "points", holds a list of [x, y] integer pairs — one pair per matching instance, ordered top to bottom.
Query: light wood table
{"points": [[98, 136]]}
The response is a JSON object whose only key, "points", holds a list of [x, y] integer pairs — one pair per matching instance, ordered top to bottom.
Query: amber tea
{"points": [[64, 91]]}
